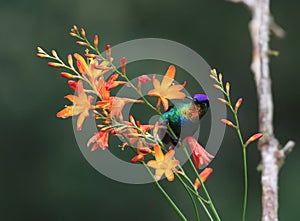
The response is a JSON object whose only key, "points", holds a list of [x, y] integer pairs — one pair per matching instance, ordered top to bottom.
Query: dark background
{"points": [[43, 173]]}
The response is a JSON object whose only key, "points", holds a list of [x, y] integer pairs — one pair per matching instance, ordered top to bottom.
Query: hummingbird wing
{"points": [[169, 121]]}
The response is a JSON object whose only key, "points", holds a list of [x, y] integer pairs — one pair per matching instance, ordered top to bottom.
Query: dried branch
{"points": [[272, 157]]}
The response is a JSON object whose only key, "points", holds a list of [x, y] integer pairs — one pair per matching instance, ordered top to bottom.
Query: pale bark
{"points": [[272, 155]]}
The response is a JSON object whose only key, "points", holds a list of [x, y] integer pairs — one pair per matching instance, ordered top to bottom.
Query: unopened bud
{"points": [[83, 34], [96, 41], [81, 43], [108, 51], [54, 53], [70, 60], [54, 64], [123, 64], [67, 75], [227, 87], [223, 101], [238, 104], [228, 123], [253, 138]]}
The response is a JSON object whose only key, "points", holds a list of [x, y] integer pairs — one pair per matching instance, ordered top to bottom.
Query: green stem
{"points": [[238, 130], [245, 166], [245, 183], [166, 195], [190, 195], [199, 198], [212, 207]]}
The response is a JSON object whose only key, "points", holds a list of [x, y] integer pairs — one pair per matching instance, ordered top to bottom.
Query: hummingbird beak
{"points": [[189, 97]]}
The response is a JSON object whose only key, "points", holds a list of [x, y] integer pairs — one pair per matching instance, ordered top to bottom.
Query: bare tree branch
{"points": [[272, 157]]}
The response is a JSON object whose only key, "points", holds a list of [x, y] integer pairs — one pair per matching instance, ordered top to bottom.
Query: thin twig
{"points": [[272, 156]]}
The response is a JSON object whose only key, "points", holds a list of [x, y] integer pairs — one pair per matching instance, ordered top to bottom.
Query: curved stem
{"points": [[238, 130], [202, 185], [187, 188], [168, 198]]}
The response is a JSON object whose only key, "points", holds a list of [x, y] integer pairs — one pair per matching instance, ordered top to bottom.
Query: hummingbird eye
{"points": [[204, 105]]}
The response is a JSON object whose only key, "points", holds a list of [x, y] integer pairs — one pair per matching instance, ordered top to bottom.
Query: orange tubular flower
{"points": [[93, 70], [142, 80], [165, 90], [114, 105], [81, 106], [132, 135], [100, 139], [141, 152], [200, 155], [163, 164], [203, 175]]}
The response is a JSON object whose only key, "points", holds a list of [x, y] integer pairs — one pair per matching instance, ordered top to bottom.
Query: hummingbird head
{"points": [[202, 102]]}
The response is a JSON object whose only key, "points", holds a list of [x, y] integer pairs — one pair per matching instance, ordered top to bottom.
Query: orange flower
{"points": [[92, 70], [142, 80], [165, 90], [114, 105], [81, 106], [132, 135], [100, 139], [141, 152], [200, 155], [163, 164], [203, 176]]}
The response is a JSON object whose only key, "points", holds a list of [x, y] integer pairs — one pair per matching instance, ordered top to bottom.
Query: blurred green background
{"points": [[43, 173]]}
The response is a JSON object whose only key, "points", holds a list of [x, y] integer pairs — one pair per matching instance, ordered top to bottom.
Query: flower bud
{"points": [[75, 28], [73, 34], [83, 34], [96, 41], [81, 43], [108, 51], [54, 53], [40, 55], [70, 60], [54, 64], [123, 64], [67, 75], [220, 78], [73, 84], [227, 87], [223, 101], [238, 104], [228, 123], [253, 138], [137, 158], [203, 176]]}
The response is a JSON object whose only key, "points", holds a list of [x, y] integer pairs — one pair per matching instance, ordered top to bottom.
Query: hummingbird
{"points": [[183, 119]]}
